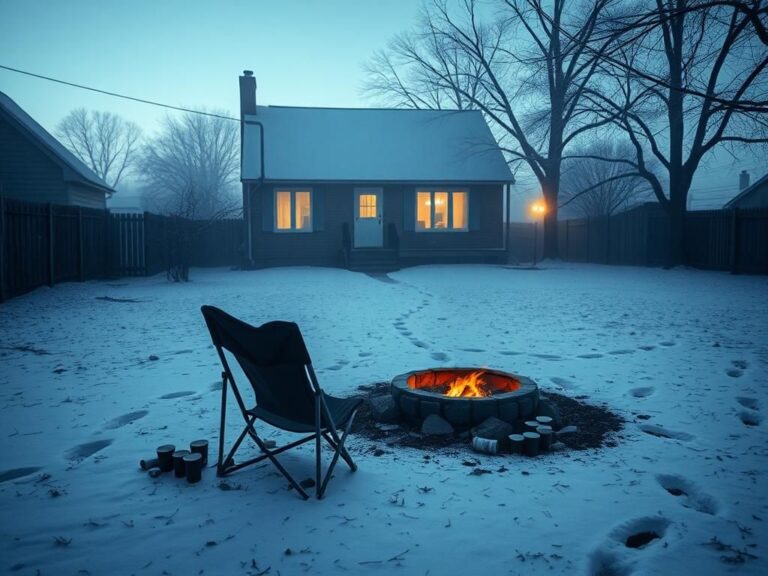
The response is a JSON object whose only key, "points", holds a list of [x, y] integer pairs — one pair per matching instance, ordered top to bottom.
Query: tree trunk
{"points": [[551, 246]]}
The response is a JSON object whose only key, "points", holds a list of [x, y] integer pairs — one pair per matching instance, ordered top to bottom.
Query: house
{"points": [[36, 167], [370, 188], [754, 196]]}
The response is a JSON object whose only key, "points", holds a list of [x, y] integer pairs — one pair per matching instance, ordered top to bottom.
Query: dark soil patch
{"points": [[595, 425]]}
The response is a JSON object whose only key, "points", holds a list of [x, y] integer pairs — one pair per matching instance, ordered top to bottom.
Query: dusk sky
{"points": [[189, 53]]}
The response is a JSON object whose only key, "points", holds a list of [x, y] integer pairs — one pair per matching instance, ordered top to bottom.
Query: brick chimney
{"points": [[247, 93], [743, 180]]}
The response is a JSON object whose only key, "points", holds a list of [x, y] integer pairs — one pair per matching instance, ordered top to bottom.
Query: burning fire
{"points": [[462, 382], [472, 385]]}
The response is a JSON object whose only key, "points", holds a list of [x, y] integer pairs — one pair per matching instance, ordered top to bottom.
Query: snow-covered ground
{"points": [[81, 402]]}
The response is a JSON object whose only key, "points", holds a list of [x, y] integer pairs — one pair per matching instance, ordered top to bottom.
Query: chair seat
{"points": [[340, 409]]}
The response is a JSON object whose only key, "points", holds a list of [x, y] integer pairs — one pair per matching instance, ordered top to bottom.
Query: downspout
{"points": [[258, 184], [508, 187]]}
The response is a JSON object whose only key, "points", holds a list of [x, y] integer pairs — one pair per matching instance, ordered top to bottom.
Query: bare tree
{"points": [[525, 72], [692, 82], [102, 140], [190, 168], [190, 172], [597, 180]]}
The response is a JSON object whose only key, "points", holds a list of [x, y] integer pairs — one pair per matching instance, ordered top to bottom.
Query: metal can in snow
{"points": [[485, 445]]}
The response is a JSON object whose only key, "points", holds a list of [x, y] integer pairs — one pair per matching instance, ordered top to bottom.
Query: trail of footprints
{"points": [[85, 450], [612, 559]]}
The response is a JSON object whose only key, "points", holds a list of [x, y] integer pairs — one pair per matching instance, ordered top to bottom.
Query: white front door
{"points": [[369, 230]]}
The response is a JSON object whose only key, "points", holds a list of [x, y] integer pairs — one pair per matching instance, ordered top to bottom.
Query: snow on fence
{"points": [[43, 244]]}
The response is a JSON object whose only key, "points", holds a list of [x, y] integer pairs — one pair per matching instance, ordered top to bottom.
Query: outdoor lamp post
{"points": [[538, 210]]}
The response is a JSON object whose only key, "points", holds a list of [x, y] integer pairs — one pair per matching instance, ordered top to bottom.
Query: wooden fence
{"points": [[732, 240], [44, 244]]}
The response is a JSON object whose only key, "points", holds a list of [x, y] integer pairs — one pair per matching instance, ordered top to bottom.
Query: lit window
{"points": [[367, 206], [283, 210], [293, 210], [423, 210], [442, 210], [459, 210]]}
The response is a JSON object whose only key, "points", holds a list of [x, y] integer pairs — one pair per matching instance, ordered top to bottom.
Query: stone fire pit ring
{"points": [[462, 412]]}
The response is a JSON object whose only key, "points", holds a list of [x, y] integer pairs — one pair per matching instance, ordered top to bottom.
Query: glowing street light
{"points": [[538, 210]]}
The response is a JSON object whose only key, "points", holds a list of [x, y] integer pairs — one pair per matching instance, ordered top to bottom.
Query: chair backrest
{"points": [[273, 357]]}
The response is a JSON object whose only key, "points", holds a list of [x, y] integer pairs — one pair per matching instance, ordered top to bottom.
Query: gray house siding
{"points": [[26, 172]]}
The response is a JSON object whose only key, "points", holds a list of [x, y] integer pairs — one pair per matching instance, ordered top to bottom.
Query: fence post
{"points": [[735, 241], [51, 247], [2, 248], [80, 257]]}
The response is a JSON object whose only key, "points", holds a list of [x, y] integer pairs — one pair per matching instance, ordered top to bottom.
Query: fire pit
{"points": [[465, 396]]}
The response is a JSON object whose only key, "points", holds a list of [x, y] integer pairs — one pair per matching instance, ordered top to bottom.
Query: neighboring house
{"points": [[36, 167], [370, 188], [754, 196]]}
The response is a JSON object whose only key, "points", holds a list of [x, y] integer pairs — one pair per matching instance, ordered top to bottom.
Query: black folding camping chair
{"points": [[276, 362]]}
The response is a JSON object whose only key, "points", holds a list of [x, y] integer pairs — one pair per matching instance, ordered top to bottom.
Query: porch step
{"points": [[373, 260]]}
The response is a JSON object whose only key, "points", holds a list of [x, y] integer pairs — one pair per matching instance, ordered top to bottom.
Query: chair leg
{"points": [[339, 449], [318, 451], [343, 453], [220, 463]]}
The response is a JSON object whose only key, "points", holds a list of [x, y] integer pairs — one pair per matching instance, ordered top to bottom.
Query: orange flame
{"points": [[471, 385]]}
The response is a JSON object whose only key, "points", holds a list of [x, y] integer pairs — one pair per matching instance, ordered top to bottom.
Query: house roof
{"points": [[371, 145], [77, 170], [747, 191]]}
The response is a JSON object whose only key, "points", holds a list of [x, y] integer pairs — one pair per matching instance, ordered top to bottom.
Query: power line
{"points": [[117, 95]]}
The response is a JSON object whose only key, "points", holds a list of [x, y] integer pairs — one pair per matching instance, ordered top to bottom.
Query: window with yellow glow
{"points": [[367, 206], [303, 209], [283, 210], [293, 210], [423, 210], [442, 210], [459, 210]]}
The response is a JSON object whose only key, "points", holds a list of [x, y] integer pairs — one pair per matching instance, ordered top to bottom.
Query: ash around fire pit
{"points": [[465, 397]]}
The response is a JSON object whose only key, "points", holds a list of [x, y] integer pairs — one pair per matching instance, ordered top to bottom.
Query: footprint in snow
{"points": [[666, 343], [419, 344], [647, 348], [471, 349], [621, 352], [509, 353], [365, 354], [439, 356], [547, 356], [589, 356], [740, 364], [734, 372], [642, 392], [173, 395], [750, 403], [750, 418], [125, 419], [661, 432], [83, 451], [14, 473], [691, 496], [641, 532], [613, 558]]}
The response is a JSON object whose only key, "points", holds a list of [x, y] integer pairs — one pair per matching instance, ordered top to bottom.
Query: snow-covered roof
{"points": [[371, 145], [79, 171], [746, 192]]}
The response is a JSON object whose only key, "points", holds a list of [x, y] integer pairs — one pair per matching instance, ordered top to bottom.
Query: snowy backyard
{"points": [[94, 376]]}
